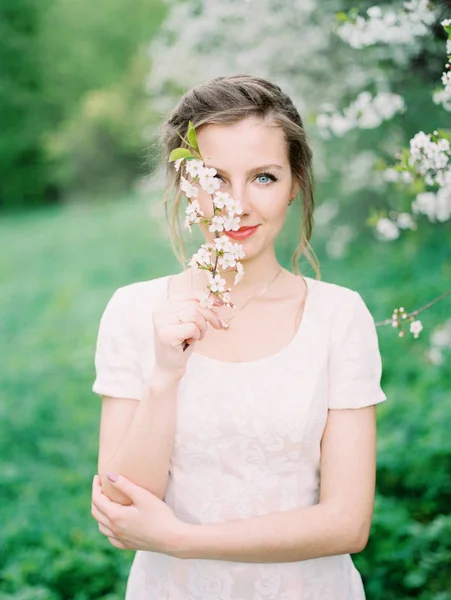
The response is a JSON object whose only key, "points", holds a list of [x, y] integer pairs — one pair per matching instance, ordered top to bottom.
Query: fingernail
{"points": [[219, 302], [112, 476]]}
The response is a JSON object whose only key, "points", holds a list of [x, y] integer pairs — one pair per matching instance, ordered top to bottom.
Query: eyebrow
{"points": [[261, 168]]}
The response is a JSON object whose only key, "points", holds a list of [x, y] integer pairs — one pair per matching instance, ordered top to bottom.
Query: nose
{"points": [[238, 192]]}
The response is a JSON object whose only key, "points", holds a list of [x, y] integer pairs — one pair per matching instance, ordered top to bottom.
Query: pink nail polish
{"points": [[112, 476]]}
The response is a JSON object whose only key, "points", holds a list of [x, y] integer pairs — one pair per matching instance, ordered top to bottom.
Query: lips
{"points": [[242, 232]]}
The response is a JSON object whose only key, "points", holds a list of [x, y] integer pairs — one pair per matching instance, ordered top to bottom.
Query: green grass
{"points": [[58, 269]]}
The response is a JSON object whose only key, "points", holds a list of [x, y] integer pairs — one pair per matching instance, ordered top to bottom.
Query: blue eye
{"points": [[269, 176]]}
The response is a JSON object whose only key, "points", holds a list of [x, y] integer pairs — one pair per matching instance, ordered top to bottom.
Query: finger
{"points": [[197, 295], [208, 314], [191, 315], [187, 332], [96, 485], [127, 487], [97, 489], [102, 502], [99, 516], [106, 531], [117, 544]]}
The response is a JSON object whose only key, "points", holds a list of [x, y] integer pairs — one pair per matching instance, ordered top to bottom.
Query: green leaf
{"points": [[342, 17], [444, 133], [192, 138], [180, 153]]}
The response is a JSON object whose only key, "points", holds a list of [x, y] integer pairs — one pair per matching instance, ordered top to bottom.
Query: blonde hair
{"points": [[227, 100]]}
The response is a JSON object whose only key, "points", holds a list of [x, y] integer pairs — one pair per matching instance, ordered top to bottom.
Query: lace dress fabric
{"points": [[249, 445]]}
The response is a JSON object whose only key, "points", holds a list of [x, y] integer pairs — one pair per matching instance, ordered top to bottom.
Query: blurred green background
{"points": [[77, 221]]}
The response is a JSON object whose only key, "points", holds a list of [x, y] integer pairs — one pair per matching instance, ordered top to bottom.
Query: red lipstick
{"points": [[242, 233]]}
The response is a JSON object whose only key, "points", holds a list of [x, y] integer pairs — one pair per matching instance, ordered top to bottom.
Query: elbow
{"points": [[353, 531], [360, 537], [358, 544]]}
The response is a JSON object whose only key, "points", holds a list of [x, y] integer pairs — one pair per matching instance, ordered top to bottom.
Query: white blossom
{"points": [[389, 27], [443, 97], [366, 112], [427, 156], [192, 167], [391, 175], [209, 184], [191, 191], [220, 199], [233, 206], [436, 206], [325, 212], [193, 213], [405, 221], [231, 223], [217, 224], [387, 229], [339, 240], [222, 244], [202, 257], [227, 260], [239, 274], [216, 282], [415, 328], [440, 341]]}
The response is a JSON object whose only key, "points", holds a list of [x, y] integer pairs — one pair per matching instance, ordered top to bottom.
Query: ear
{"points": [[295, 188]]}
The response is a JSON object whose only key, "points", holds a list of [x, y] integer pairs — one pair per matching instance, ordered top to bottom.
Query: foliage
{"points": [[72, 97], [25, 115], [50, 548]]}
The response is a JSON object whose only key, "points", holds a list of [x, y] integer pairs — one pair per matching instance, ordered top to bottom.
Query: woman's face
{"points": [[252, 165]]}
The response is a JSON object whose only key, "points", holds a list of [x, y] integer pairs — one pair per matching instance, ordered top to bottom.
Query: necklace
{"points": [[227, 321]]}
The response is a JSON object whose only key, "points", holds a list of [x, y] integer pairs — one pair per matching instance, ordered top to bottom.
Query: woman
{"points": [[260, 437]]}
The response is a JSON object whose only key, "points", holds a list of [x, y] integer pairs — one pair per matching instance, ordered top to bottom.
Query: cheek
{"points": [[273, 208]]}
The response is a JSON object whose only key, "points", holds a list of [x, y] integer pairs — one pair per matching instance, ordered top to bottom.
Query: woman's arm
{"points": [[136, 438], [339, 524]]}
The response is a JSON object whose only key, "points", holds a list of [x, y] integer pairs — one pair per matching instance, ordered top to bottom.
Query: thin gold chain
{"points": [[226, 321]]}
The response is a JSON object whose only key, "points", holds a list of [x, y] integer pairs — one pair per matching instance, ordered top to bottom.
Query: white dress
{"points": [[251, 445]]}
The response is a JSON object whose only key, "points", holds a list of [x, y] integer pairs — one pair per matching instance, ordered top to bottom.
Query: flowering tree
{"points": [[297, 44], [425, 167]]}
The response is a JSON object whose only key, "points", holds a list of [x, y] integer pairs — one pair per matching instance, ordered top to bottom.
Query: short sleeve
{"points": [[117, 364], [355, 364]]}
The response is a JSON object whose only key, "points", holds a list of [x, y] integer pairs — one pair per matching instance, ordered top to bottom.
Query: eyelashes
{"points": [[270, 176]]}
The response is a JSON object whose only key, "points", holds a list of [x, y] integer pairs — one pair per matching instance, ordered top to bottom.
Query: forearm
{"points": [[144, 455], [293, 535]]}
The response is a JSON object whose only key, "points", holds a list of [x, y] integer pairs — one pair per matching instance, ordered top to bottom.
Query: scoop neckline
{"points": [[276, 355]]}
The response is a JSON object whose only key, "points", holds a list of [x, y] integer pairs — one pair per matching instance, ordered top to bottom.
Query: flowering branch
{"points": [[428, 160], [222, 254], [400, 316]]}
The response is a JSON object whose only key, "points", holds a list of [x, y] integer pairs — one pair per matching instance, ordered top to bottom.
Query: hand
{"points": [[171, 334], [146, 524]]}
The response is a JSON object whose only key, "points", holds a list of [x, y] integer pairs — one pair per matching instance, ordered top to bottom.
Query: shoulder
{"points": [[142, 293], [332, 297], [131, 306], [340, 309]]}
